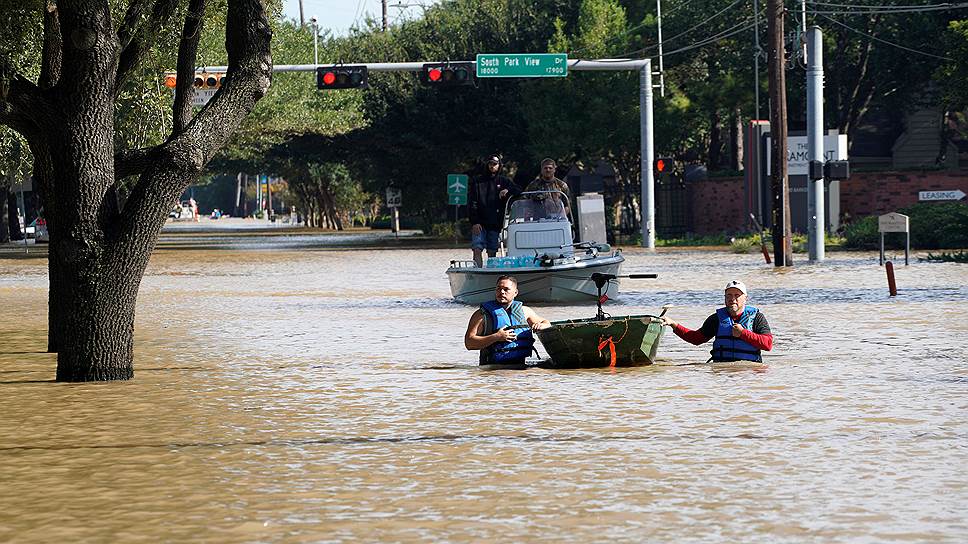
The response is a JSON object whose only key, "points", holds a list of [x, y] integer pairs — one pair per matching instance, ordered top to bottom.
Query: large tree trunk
{"points": [[98, 253]]}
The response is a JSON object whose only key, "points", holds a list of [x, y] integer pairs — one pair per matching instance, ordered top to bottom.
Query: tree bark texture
{"points": [[99, 249]]}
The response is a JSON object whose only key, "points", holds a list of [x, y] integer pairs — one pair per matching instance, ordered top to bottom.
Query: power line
{"points": [[878, 6], [861, 11], [637, 27], [717, 37], [892, 44], [654, 46]]}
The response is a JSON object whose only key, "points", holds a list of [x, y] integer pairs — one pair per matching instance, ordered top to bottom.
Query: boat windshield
{"points": [[539, 205]]}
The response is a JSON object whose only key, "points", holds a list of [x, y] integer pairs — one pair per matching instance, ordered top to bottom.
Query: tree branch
{"points": [[131, 22], [135, 37], [247, 43], [187, 53], [53, 55], [19, 101], [132, 162]]}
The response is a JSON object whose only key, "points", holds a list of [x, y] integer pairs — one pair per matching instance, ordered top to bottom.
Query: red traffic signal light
{"points": [[448, 74], [341, 77], [664, 165]]}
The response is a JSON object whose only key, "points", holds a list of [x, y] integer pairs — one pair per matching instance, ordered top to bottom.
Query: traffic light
{"points": [[448, 74], [341, 77], [202, 80], [664, 165], [836, 170]]}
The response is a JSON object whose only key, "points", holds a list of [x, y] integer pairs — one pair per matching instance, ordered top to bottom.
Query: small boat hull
{"points": [[561, 283], [616, 341]]}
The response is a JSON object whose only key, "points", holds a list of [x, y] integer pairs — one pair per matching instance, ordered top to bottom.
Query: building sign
{"points": [[834, 149], [941, 195], [893, 222]]}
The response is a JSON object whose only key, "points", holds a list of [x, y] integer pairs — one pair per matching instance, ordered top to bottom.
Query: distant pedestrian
{"points": [[487, 196], [194, 207], [741, 331]]}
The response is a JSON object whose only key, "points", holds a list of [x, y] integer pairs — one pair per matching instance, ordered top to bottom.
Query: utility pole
{"points": [[384, 2], [302, 20], [756, 57], [779, 182], [815, 203]]}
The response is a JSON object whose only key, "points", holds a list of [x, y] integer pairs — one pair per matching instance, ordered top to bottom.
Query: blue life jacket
{"points": [[495, 318], [728, 348]]}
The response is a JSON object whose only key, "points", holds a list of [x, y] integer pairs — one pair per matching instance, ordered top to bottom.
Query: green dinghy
{"points": [[603, 340], [630, 340]]}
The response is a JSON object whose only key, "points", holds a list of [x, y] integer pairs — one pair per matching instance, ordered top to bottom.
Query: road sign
{"points": [[522, 65], [200, 97], [457, 185], [957, 194], [394, 197], [457, 200], [893, 222]]}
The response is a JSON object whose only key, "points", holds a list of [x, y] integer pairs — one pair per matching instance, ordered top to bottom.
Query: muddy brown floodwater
{"points": [[290, 391]]}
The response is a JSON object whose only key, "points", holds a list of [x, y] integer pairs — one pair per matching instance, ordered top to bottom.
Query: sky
{"points": [[340, 15]]}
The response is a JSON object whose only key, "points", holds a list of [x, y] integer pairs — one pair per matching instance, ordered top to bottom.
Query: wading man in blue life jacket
{"points": [[503, 329], [741, 331]]}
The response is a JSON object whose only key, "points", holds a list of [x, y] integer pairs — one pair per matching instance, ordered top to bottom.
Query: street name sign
{"points": [[522, 65], [200, 97], [957, 194], [893, 222]]}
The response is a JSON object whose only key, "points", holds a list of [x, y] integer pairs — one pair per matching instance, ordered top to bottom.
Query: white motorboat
{"points": [[538, 250]]}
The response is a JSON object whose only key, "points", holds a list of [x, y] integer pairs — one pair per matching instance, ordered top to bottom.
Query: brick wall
{"points": [[876, 193], [717, 206]]}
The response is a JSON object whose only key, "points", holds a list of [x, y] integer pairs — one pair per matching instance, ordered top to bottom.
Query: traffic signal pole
{"points": [[646, 142], [815, 203]]}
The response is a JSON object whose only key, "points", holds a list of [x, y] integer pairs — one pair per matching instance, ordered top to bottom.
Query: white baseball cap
{"points": [[736, 284]]}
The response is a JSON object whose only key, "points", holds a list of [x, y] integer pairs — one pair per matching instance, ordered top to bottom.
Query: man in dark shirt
{"points": [[486, 199], [741, 331]]}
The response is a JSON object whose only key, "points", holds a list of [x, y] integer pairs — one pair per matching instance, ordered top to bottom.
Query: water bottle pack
{"points": [[510, 262]]}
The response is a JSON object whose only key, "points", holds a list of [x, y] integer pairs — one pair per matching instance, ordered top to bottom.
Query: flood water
{"points": [[290, 391]]}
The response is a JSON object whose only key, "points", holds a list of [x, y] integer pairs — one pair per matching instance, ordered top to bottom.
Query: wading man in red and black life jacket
{"points": [[503, 329], [740, 330]]}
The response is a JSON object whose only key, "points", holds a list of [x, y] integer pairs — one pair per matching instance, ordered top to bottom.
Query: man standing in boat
{"points": [[547, 181], [486, 199], [494, 327], [741, 332]]}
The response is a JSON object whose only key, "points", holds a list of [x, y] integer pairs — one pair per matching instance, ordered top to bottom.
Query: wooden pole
{"points": [[779, 181]]}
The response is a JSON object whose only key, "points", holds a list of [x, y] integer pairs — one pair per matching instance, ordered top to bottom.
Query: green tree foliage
{"points": [[953, 74]]}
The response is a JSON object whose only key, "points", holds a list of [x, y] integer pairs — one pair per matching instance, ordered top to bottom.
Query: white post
{"points": [[658, 18], [315, 42], [647, 152], [815, 205]]}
